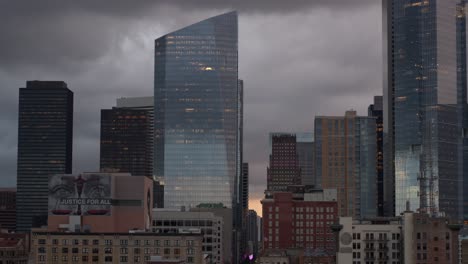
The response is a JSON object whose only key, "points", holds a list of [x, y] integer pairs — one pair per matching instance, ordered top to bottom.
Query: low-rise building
{"points": [[99, 202], [8, 208], [300, 220], [211, 223], [430, 239], [376, 240], [60, 247], [14, 248]]}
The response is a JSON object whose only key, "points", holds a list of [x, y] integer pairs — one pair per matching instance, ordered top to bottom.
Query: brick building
{"points": [[284, 169], [299, 220], [14, 248]]}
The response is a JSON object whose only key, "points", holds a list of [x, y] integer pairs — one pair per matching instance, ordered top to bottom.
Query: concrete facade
{"points": [[57, 247]]}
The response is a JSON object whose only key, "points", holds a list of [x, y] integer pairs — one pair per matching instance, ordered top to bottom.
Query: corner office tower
{"points": [[196, 109], [422, 121]]}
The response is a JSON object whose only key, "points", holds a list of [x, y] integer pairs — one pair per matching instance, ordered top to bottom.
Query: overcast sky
{"points": [[298, 59]]}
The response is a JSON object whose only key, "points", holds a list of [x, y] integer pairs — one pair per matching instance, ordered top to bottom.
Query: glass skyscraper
{"points": [[196, 108], [422, 121], [45, 139]]}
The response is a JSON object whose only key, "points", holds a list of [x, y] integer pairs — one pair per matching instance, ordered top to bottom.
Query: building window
{"points": [[42, 241], [54, 241], [64, 242], [75, 242], [85, 242], [95, 242], [108, 242], [123, 242], [157, 243], [167, 243], [41, 250], [65, 250], [75, 250], [85, 250], [95, 250], [108, 250], [123, 250], [136, 251], [147, 251], [167, 251], [189, 251], [41, 258], [84, 258], [108, 258], [123, 259], [136, 259], [189, 259]]}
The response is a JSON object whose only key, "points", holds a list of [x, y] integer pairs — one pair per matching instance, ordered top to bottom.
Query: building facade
{"points": [[196, 93], [376, 110], [422, 120], [127, 137], [45, 139], [305, 148], [345, 154], [283, 170], [99, 202], [8, 209], [299, 221], [253, 237], [216, 239], [430, 239], [378, 240], [60, 247], [14, 248]]}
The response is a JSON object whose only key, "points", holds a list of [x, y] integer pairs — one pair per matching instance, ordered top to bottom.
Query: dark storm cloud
{"points": [[298, 59]]}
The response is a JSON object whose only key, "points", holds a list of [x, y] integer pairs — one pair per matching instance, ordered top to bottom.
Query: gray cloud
{"points": [[298, 59]]}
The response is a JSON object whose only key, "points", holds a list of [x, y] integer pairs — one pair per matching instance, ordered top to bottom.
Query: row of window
{"points": [[109, 242], [123, 250], [124, 259]]}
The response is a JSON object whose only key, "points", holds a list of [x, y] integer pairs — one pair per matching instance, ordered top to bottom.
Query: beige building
{"points": [[373, 241], [57, 247]]}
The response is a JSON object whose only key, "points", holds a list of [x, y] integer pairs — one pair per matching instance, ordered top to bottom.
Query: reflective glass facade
{"points": [[197, 113], [423, 132], [45, 133]]}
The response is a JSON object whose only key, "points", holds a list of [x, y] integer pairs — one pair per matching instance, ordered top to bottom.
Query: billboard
{"points": [[84, 194]]}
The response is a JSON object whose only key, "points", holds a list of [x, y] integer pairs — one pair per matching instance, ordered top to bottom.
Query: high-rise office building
{"points": [[196, 110], [376, 110], [422, 121], [45, 132], [127, 136], [127, 139], [345, 151], [305, 154], [283, 170]]}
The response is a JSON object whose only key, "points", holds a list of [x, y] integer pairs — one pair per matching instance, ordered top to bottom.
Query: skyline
{"points": [[265, 101]]}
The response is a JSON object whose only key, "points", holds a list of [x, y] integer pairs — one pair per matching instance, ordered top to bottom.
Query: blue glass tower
{"points": [[196, 109], [422, 121]]}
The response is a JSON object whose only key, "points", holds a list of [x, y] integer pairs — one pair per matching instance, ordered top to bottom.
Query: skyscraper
{"points": [[196, 95], [376, 110], [421, 122], [45, 133], [127, 137], [345, 151], [306, 155], [283, 170]]}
